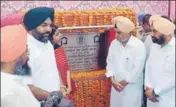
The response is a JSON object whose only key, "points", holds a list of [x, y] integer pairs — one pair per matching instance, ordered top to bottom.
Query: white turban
{"points": [[123, 23]]}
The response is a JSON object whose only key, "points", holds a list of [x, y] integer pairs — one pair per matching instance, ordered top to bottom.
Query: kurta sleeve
{"points": [[109, 60], [138, 65], [27, 80], [169, 83]]}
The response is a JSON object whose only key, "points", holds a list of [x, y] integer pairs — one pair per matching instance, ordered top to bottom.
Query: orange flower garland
{"points": [[103, 16], [90, 20], [76, 75], [93, 89]]}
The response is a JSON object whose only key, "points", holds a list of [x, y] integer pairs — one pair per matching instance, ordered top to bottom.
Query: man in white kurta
{"points": [[146, 34], [145, 37], [41, 52], [14, 55], [42, 61], [125, 64], [160, 66], [45, 76], [14, 93]]}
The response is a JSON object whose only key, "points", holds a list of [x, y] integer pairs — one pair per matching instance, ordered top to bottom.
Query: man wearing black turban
{"points": [[35, 17], [37, 21], [45, 78]]}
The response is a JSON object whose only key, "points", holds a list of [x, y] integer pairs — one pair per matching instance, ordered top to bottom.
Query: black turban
{"points": [[36, 16]]}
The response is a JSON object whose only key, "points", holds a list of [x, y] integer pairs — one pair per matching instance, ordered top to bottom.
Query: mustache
{"points": [[47, 33], [44, 37]]}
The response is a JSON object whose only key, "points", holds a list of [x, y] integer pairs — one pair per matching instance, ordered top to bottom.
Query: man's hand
{"points": [[56, 37], [123, 83], [117, 86], [69, 90], [64, 91], [150, 94], [53, 99], [154, 99]]}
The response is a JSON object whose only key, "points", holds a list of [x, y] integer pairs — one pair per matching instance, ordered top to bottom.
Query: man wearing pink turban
{"points": [[12, 19], [13, 60], [125, 63], [160, 66]]}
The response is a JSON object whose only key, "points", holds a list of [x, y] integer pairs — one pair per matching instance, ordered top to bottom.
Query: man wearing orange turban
{"points": [[13, 59], [125, 63], [160, 66]]}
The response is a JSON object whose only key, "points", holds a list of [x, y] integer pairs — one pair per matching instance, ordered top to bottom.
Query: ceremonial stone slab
{"points": [[82, 50]]}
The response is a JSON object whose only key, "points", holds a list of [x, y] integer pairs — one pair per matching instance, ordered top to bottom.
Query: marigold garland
{"points": [[95, 17], [77, 75], [92, 89]]}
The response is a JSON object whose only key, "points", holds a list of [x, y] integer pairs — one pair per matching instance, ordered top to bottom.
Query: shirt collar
{"points": [[34, 40], [131, 41], [172, 42], [8, 75]]}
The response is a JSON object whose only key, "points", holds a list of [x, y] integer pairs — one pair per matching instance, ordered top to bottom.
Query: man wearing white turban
{"points": [[125, 63], [160, 66]]}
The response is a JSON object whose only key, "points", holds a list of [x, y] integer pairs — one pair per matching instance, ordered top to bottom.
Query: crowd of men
{"points": [[141, 69]]}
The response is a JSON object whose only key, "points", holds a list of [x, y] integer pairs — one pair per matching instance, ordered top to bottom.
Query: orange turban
{"points": [[12, 19], [123, 23], [162, 25], [13, 42]]}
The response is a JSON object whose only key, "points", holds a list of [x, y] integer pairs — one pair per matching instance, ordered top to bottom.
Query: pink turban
{"points": [[12, 19], [123, 23], [162, 25], [13, 42]]}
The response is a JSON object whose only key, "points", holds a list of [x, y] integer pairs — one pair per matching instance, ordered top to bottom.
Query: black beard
{"points": [[41, 37], [44, 39], [159, 41], [23, 70]]}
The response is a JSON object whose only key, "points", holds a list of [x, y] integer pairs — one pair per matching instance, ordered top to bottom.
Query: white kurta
{"points": [[146, 39], [148, 44], [126, 63], [43, 65], [160, 73], [14, 93]]}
